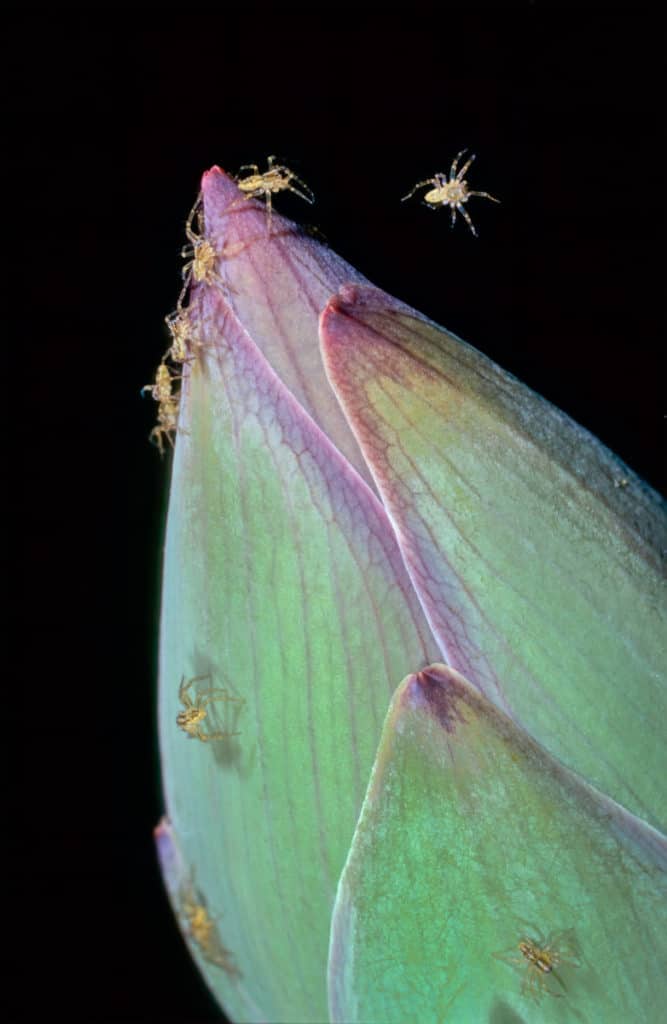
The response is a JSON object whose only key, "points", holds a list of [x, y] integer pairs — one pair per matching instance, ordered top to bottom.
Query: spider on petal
{"points": [[277, 178], [191, 718], [539, 957]]}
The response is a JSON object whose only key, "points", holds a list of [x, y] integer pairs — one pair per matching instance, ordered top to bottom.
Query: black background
{"points": [[114, 117]]}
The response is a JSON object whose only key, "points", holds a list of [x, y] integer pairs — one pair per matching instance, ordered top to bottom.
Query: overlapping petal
{"points": [[506, 540], [537, 555], [472, 840]]}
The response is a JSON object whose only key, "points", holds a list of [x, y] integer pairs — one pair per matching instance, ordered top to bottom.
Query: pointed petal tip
{"points": [[209, 176], [218, 183], [222, 196], [353, 296], [348, 297], [357, 308], [335, 317], [440, 691], [163, 827], [168, 853]]}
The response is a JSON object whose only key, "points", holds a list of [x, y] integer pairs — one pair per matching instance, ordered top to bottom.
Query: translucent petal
{"points": [[542, 576], [284, 587], [472, 840]]}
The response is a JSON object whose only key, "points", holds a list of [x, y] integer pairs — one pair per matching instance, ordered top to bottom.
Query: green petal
{"points": [[537, 555], [282, 582], [473, 839]]}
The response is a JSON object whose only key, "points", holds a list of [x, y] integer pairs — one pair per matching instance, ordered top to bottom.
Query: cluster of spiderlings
{"points": [[202, 261], [201, 267]]}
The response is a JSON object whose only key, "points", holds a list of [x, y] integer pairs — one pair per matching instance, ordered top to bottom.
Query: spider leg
{"points": [[455, 163], [249, 167], [465, 167], [420, 184], [306, 188], [484, 195], [309, 199], [269, 207], [191, 215], [453, 216], [466, 216], [186, 274], [179, 303], [172, 319], [177, 358], [159, 432], [155, 437], [195, 679], [183, 687], [224, 694], [214, 695], [205, 738], [531, 933], [564, 941], [567, 955], [509, 957], [556, 975], [533, 984]]}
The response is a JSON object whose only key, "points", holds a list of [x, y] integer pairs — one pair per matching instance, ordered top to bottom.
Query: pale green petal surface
{"points": [[539, 558], [284, 586], [471, 840]]}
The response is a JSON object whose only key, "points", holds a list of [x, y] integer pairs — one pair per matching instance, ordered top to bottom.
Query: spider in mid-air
{"points": [[277, 178], [453, 193], [194, 711], [539, 956]]}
